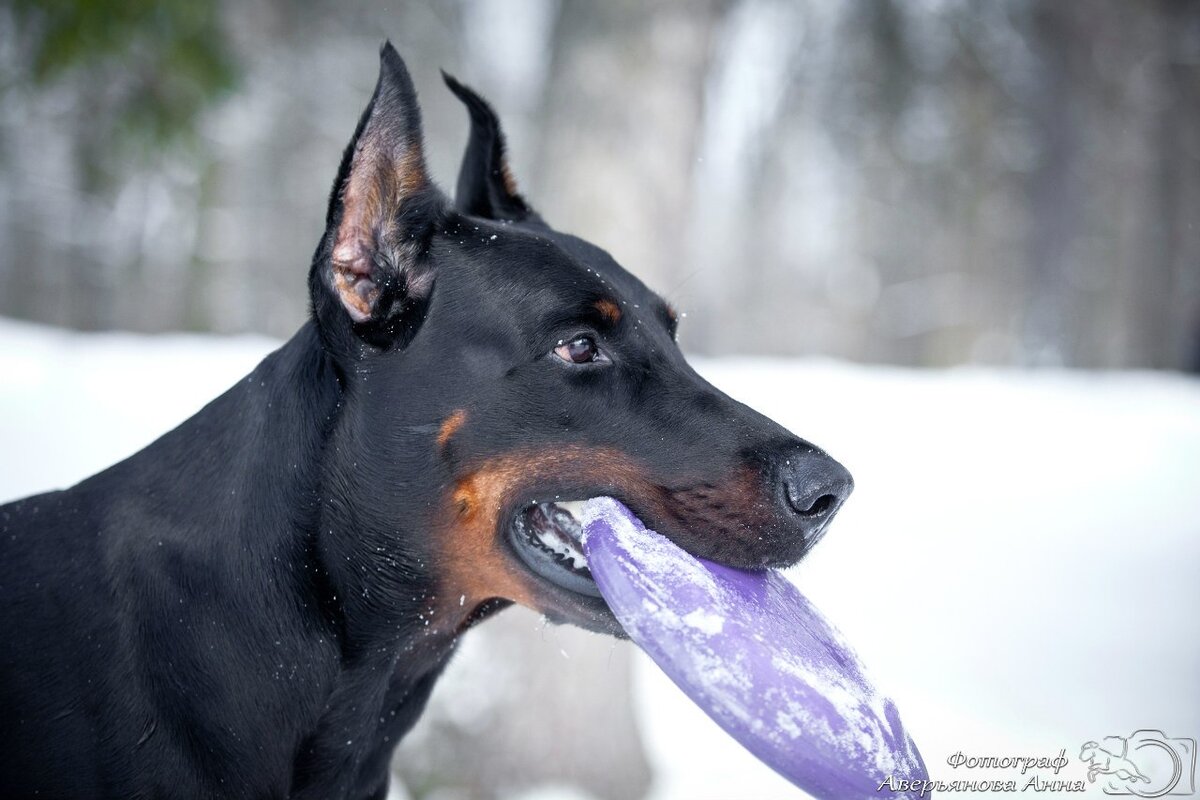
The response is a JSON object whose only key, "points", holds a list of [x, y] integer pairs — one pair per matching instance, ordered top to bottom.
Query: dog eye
{"points": [[580, 350]]}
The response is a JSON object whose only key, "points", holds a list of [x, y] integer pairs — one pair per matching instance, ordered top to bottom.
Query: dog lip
{"points": [[546, 538], [564, 596]]}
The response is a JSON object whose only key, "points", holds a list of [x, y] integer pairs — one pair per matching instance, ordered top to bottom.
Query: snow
{"points": [[73, 404], [1019, 565], [1018, 568], [706, 622]]}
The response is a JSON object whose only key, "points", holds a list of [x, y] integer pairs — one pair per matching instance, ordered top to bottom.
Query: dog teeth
{"points": [[554, 527], [554, 542]]}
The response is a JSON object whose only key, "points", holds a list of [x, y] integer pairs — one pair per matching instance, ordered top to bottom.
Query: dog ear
{"points": [[485, 184], [382, 213]]}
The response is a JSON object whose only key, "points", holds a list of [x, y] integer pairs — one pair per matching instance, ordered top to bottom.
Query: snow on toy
{"points": [[756, 655]]}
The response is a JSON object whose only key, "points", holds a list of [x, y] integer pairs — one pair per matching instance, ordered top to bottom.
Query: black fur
{"points": [[482, 190], [258, 604]]}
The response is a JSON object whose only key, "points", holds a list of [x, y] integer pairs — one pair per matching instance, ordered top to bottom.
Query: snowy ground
{"points": [[1019, 566]]}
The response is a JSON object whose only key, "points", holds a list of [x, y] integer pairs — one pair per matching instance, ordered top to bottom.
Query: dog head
{"points": [[496, 371]]}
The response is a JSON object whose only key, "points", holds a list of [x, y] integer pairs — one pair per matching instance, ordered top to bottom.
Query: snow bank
{"points": [[72, 404], [1019, 566]]}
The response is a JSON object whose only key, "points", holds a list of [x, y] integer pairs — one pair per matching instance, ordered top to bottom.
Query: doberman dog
{"points": [[259, 603]]}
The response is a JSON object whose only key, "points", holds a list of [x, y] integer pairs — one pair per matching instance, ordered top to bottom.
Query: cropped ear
{"points": [[485, 184], [370, 269]]}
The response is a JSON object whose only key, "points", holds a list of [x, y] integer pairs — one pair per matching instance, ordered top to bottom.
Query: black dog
{"points": [[258, 604]]}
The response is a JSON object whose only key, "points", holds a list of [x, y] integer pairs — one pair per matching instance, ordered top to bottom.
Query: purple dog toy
{"points": [[755, 654]]}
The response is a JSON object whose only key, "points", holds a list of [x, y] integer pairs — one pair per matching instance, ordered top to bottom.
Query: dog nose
{"points": [[815, 486]]}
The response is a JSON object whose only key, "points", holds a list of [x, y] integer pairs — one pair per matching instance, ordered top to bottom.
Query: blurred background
{"points": [[928, 183], [913, 184]]}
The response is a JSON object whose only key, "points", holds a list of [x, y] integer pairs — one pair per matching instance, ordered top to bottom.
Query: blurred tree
{"points": [[146, 68], [1013, 182]]}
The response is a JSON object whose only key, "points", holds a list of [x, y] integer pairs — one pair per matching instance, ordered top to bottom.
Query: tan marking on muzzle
{"points": [[729, 519], [478, 567]]}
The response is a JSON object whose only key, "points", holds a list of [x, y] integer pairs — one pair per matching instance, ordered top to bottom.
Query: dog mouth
{"points": [[548, 538]]}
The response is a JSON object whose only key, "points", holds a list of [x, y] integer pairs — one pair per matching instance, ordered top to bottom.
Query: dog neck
{"points": [[341, 656]]}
